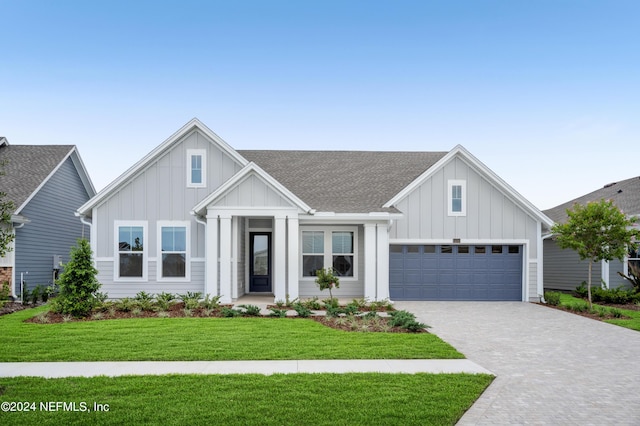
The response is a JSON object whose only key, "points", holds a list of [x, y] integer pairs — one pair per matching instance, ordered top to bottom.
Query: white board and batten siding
{"points": [[159, 192], [492, 216]]}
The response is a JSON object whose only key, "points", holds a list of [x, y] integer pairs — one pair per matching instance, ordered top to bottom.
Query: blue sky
{"points": [[545, 93]]}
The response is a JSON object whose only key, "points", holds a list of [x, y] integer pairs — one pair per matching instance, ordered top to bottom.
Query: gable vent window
{"points": [[196, 168], [457, 198]]}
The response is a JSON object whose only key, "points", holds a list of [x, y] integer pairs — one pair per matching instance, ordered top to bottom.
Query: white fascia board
{"points": [[192, 125], [470, 159], [238, 178], [44, 181]]}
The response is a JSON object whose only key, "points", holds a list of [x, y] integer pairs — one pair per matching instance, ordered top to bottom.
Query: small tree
{"points": [[596, 231], [327, 280], [78, 283]]}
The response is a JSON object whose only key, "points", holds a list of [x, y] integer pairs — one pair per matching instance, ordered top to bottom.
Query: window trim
{"points": [[190, 154], [463, 197], [328, 249], [116, 250], [187, 269]]}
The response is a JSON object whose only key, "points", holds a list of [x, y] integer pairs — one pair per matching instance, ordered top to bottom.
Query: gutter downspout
{"points": [[544, 237]]}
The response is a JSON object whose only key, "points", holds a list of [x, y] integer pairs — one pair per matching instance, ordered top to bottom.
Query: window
{"points": [[196, 168], [457, 205], [342, 247], [329, 248], [131, 251], [174, 251], [312, 252], [632, 266]]}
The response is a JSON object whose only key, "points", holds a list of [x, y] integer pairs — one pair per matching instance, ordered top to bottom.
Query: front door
{"points": [[260, 272]]}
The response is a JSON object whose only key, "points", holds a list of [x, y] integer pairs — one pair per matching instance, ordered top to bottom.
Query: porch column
{"points": [[211, 251], [234, 257], [225, 258], [279, 258], [370, 261], [292, 264], [382, 288]]}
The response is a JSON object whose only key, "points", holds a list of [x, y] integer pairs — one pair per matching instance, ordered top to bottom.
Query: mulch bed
{"points": [[11, 307], [597, 316], [353, 324]]}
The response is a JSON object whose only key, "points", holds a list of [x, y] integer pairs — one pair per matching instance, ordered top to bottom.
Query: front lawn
{"points": [[577, 305], [204, 339], [318, 399]]}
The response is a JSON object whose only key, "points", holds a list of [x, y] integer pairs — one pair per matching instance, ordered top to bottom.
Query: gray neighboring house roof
{"points": [[27, 167], [344, 181], [624, 194]]}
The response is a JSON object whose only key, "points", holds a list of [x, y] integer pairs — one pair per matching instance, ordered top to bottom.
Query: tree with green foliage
{"points": [[7, 207], [596, 231], [326, 279], [78, 283]]}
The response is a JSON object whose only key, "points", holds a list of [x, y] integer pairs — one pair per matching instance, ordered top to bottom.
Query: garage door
{"points": [[455, 272]]}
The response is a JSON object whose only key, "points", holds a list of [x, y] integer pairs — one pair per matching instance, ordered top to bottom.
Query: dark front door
{"points": [[260, 272]]}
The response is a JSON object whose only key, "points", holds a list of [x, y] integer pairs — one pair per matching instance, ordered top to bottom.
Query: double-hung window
{"points": [[196, 168], [457, 198], [173, 248], [329, 248], [131, 251], [312, 252]]}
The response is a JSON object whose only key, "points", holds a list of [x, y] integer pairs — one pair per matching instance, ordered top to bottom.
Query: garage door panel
{"points": [[485, 272]]}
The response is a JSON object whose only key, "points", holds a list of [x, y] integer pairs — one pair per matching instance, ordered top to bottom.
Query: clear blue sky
{"points": [[545, 93]]}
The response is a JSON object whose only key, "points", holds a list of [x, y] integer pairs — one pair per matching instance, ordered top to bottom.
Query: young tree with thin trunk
{"points": [[596, 231]]}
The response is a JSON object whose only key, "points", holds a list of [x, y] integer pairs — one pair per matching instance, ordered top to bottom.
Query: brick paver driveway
{"points": [[552, 367]]}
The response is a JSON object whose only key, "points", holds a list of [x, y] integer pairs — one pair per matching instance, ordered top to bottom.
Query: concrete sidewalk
{"points": [[138, 368]]}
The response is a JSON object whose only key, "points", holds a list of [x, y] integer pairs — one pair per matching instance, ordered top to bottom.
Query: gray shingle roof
{"points": [[27, 166], [344, 181], [624, 194]]}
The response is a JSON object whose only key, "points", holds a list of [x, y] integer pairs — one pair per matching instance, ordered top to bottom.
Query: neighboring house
{"points": [[47, 184], [196, 215], [563, 269]]}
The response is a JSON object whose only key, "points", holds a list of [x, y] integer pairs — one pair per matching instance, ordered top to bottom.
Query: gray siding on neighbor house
{"points": [[160, 193], [491, 215], [53, 229], [563, 269], [348, 288]]}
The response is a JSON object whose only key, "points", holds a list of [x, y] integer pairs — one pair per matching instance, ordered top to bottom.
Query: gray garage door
{"points": [[455, 272]]}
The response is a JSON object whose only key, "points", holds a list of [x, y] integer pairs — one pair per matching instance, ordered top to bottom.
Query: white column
{"points": [[211, 250], [382, 255], [234, 257], [225, 258], [279, 259], [292, 261], [370, 261], [604, 275]]}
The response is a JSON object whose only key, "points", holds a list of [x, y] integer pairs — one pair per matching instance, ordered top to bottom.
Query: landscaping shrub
{"points": [[78, 283], [5, 290], [581, 290], [552, 297], [144, 300], [164, 301], [210, 302], [313, 304], [251, 310], [302, 310], [230, 313], [279, 313], [406, 320]]}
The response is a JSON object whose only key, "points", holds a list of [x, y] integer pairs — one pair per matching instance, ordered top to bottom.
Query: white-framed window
{"points": [[196, 168], [457, 198], [329, 247], [131, 251], [173, 251]]}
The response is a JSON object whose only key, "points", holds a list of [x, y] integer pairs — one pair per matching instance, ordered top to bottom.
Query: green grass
{"points": [[632, 323], [201, 339], [318, 399]]}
